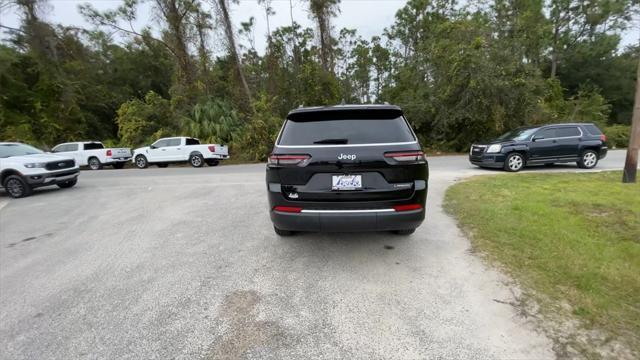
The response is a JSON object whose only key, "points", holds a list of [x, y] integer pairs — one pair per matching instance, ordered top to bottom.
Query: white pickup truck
{"points": [[179, 149], [94, 154], [24, 168]]}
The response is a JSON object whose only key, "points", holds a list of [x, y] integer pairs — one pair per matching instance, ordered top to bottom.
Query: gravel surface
{"points": [[183, 263]]}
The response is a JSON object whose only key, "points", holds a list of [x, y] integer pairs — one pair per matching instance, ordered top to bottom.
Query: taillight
{"points": [[603, 137], [212, 148], [109, 152], [414, 156], [298, 160], [407, 207], [289, 209]]}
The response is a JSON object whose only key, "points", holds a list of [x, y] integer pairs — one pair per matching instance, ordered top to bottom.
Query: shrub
{"points": [[141, 121], [618, 135]]}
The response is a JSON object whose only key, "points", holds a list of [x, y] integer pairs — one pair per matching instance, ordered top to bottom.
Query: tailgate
{"points": [[221, 149], [120, 153]]}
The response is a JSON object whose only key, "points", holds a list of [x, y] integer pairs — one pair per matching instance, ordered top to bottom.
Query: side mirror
{"points": [[537, 137], [152, 147]]}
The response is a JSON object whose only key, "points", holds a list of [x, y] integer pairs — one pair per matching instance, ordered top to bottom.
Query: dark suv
{"points": [[583, 144], [347, 168]]}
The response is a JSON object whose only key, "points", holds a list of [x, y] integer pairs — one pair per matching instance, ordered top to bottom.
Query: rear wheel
{"points": [[196, 160], [588, 160], [141, 162], [514, 162], [95, 164], [118, 165], [68, 184], [16, 187], [281, 232], [404, 232]]}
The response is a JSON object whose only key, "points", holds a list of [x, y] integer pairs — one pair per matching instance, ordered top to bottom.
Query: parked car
{"points": [[582, 143], [180, 149], [94, 154], [24, 168], [347, 168]]}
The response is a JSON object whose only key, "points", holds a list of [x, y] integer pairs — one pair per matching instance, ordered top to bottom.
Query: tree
{"points": [[322, 11], [225, 18], [631, 161]]}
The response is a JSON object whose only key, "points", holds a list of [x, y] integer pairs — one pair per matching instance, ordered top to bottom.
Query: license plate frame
{"points": [[346, 182]]}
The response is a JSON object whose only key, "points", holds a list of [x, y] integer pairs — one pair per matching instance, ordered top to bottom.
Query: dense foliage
{"points": [[460, 72]]}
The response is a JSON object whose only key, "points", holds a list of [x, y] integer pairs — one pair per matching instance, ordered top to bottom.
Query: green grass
{"points": [[567, 238]]}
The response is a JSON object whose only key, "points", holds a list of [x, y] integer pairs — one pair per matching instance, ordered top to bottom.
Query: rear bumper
{"points": [[603, 152], [116, 160], [488, 160], [46, 179], [341, 221]]}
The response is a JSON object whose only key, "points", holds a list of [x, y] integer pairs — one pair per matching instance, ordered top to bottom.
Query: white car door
{"points": [[175, 149], [158, 151]]}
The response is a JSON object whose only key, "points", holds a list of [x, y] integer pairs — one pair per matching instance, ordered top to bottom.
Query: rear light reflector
{"points": [[603, 137], [212, 148], [109, 153], [406, 156], [298, 160], [407, 207], [289, 209]]}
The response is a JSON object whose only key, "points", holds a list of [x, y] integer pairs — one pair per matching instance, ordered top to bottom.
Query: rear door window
{"points": [[567, 131], [303, 132], [191, 141], [173, 142]]}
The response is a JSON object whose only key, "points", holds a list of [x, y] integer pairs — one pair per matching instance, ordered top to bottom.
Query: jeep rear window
{"points": [[592, 129], [337, 131]]}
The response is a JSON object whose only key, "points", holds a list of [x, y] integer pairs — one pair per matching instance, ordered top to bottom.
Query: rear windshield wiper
{"points": [[332, 141]]}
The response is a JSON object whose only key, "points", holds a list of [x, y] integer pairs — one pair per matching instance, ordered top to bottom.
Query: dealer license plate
{"points": [[346, 182]]}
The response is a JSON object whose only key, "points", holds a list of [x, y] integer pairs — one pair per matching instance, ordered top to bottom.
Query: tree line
{"points": [[461, 72]]}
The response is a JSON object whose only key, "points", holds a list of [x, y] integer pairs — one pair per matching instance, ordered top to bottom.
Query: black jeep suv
{"points": [[583, 144], [347, 168]]}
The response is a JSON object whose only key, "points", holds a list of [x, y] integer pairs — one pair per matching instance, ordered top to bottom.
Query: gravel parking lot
{"points": [[183, 263]]}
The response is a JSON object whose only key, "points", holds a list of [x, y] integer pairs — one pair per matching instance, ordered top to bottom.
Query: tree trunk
{"points": [[231, 41], [631, 162]]}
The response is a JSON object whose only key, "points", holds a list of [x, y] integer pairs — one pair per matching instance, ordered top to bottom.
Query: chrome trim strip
{"points": [[345, 145], [346, 211]]}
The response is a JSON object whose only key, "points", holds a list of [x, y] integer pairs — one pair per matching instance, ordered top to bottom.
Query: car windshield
{"points": [[518, 134], [9, 150]]}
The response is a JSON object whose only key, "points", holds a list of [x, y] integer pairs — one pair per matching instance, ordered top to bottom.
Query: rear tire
{"points": [[196, 160], [588, 160], [141, 162], [514, 162], [94, 163], [118, 165], [68, 184], [16, 187], [281, 232], [404, 232]]}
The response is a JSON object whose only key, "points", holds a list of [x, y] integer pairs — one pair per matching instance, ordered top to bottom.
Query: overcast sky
{"points": [[369, 17]]}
